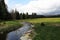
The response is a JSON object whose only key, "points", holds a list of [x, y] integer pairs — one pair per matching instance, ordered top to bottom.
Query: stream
{"points": [[15, 35]]}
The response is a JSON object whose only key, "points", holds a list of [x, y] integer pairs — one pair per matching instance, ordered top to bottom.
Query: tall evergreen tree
{"points": [[3, 10], [17, 14], [13, 15], [27, 15], [34, 15], [21, 16], [24, 16]]}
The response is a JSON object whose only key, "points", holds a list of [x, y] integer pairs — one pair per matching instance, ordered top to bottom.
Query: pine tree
{"points": [[3, 10], [17, 14], [27, 15], [21, 16], [24, 16]]}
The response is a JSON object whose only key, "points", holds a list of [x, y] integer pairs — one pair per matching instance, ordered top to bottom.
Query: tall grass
{"points": [[8, 26], [47, 32]]}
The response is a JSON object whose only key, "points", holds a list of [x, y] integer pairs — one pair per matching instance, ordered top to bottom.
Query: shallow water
{"points": [[15, 35]]}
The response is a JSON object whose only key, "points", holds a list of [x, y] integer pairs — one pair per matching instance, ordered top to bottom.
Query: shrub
{"points": [[42, 24]]}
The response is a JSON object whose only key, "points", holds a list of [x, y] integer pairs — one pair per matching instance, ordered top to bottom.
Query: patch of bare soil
{"points": [[55, 25]]}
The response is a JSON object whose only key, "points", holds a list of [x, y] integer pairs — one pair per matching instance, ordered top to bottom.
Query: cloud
{"points": [[6, 1], [38, 6]]}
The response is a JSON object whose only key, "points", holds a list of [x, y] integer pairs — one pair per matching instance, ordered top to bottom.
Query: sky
{"points": [[44, 7]]}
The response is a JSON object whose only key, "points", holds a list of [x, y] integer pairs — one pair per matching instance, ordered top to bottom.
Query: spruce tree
{"points": [[3, 10]]}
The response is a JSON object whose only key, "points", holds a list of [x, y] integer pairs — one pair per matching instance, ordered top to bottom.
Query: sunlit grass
{"points": [[39, 20]]}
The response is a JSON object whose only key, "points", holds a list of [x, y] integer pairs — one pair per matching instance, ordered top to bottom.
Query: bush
{"points": [[42, 24]]}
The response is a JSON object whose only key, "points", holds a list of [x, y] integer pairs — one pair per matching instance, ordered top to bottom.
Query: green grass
{"points": [[39, 20], [8, 26], [47, 32]]}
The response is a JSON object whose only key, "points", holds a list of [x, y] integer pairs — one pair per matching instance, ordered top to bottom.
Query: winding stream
{"points": [[15, 35]]}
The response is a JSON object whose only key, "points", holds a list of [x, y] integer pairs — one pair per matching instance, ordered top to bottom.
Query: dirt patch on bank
{"points": [[56, 24]]}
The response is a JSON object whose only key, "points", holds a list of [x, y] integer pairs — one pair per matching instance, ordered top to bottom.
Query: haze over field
{"points": [[45, 7]]}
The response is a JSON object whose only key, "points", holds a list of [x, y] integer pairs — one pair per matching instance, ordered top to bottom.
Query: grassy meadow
{"points": [[39, 20], [50, 21], [8, 26], [50, 30], [47, 32]]}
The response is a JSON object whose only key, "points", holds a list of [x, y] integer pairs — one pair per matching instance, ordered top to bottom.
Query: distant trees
{"points": [[15, 15], [27, 15], [34, 15], [21, 16], [24, 17]]}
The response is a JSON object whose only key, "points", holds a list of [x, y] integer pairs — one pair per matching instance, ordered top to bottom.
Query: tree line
{"points": [[15, 15]]}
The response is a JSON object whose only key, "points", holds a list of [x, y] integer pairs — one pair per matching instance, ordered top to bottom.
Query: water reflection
{"points": [[15, 35]]}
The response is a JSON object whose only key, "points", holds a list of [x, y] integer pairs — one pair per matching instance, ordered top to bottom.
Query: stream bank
{"points": [[5, 31], [15, 35]]}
